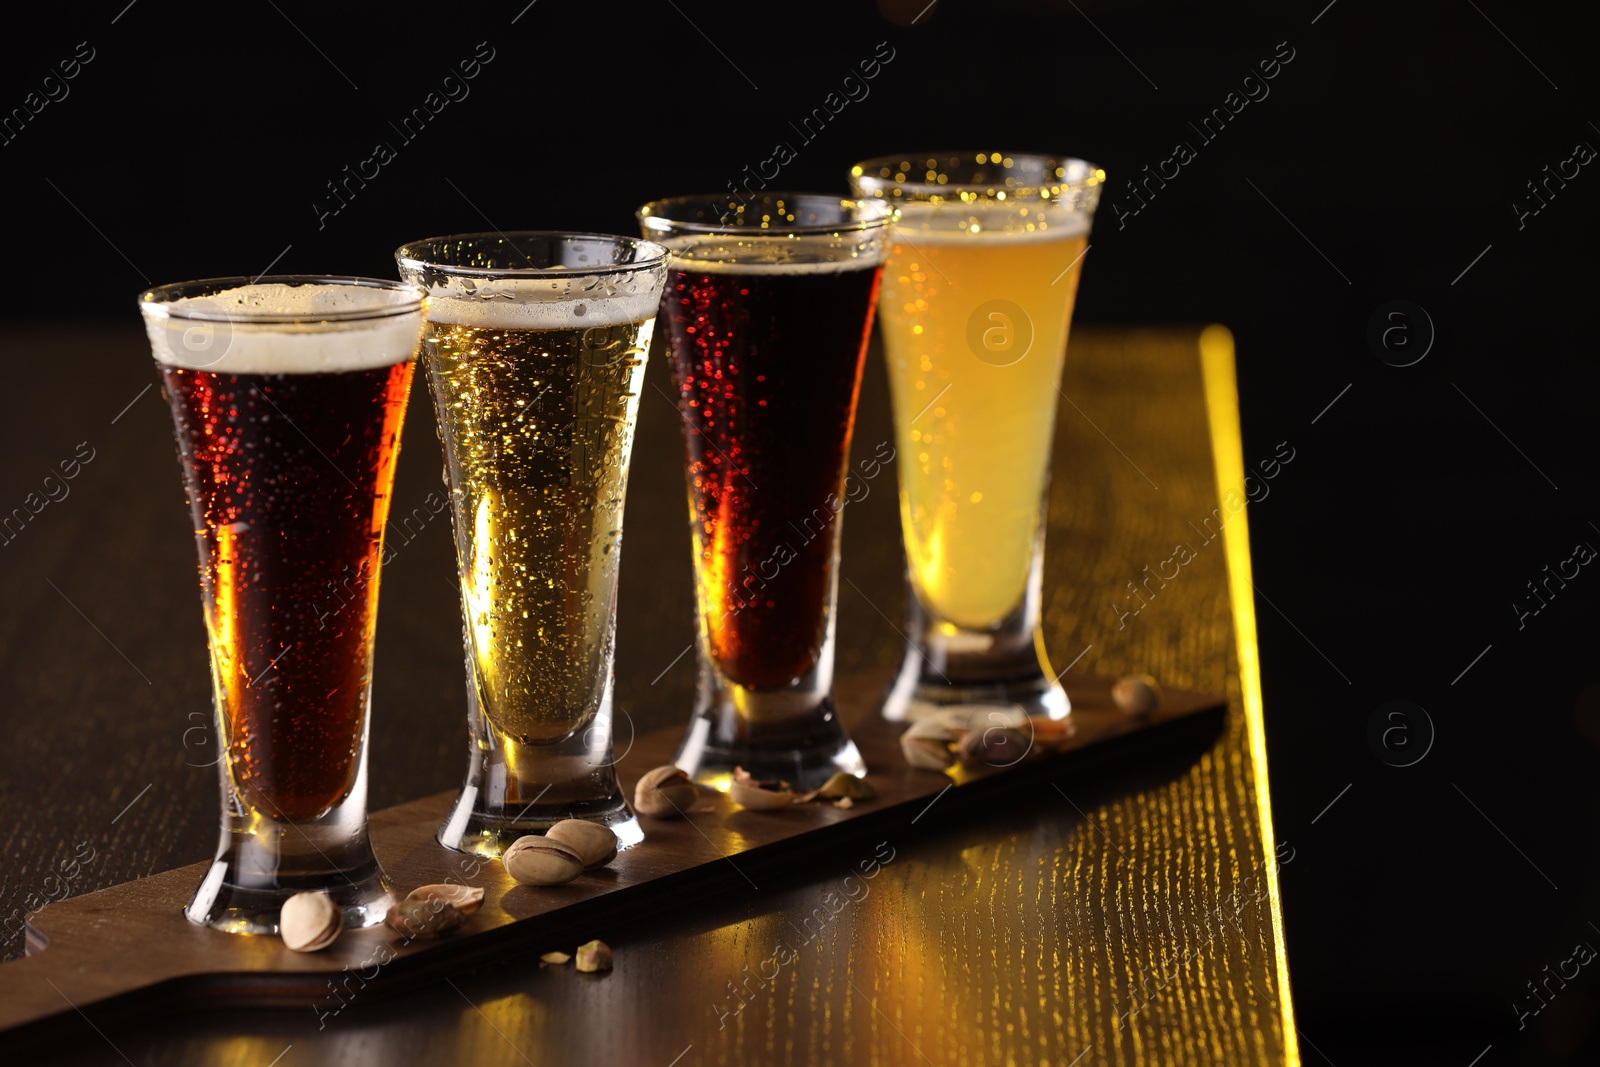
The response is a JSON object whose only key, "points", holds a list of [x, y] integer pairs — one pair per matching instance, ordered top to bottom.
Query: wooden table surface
{"points": [[1126, 919]]}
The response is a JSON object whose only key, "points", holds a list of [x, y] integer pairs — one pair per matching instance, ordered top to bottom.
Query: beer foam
{"points": [[950, 224], [721, 254], [535, 307], [216, 333]]}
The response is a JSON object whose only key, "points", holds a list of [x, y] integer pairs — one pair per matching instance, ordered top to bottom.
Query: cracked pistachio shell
{"points": [[926, 745], [747, 792], [464, 898]]}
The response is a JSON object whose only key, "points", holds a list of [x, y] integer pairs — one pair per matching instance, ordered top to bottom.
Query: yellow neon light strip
{"points": [[1227, 451]]}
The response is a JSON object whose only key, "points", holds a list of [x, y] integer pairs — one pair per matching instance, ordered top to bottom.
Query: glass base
{"points": [[953, 672], [910, 700], [763, 734], [515, 789], [473, 826], [262, 862], [364, 897]]}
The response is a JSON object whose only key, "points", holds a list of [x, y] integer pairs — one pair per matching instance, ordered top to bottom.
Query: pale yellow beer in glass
{"points": [[975, 308], [535, 350], [974, 466]]}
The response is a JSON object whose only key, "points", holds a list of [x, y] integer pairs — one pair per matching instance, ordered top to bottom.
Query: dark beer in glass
{"points": [[767, 310], [288, 395]]}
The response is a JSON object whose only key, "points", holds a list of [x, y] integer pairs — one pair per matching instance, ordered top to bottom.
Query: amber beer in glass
{"points": [[977, 300], [767, 311], [535, 349], [288, 395]]}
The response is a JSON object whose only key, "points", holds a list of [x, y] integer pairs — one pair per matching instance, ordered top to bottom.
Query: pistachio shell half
{"points": [[926, 745], [747, 792], [464, 898], [424, 917], [309, 922]]}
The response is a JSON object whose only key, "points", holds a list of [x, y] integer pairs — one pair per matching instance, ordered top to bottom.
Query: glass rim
{"points": [[1081, 174], [649, 215], [408, 259], [166, 297]]}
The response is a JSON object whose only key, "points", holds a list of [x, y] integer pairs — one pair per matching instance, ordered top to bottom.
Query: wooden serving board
{"points": [[128, 949]]}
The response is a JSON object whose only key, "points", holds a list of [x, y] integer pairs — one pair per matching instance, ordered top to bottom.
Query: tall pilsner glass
{"points": [[977, 300], [767, 312], [535, 349], [288, 394]]}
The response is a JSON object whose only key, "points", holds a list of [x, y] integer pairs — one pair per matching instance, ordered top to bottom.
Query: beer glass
{"points": [[977, 300], [767, 310], [535, 349], [288, 394]]}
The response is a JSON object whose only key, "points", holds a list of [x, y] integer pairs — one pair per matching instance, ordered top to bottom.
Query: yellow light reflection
{"points": [[1227, 449], [716, 573], [223, 585], [478, 590], [720, 782]]}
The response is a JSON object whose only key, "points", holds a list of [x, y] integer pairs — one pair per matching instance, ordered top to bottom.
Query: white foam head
{"points": [[988, 222], [773, 233], [723, 254], [534, 280], [547, 303], [275, 328]]}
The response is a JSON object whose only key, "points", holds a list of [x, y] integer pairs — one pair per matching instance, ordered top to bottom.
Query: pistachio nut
{"points": [[1136, 694], [996, 747], [664, 793], [591, 840], [537, 860], [424, 917], [309, 922], [594, 956]]}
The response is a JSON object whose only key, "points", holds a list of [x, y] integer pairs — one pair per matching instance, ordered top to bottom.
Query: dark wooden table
{"points": [[1117, 919]]}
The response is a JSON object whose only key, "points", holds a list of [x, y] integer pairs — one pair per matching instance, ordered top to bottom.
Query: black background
{"points": [[1386, 157]]}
